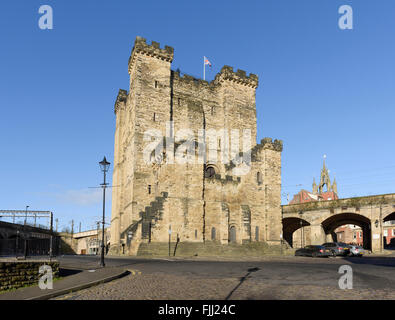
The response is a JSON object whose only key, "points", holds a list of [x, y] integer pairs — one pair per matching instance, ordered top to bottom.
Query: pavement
{"points": [[75, 276], [270, 277], [206, 278]]}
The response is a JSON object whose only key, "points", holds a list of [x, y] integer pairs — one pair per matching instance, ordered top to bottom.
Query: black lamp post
{"points": [[104, 165], [301, 229]]}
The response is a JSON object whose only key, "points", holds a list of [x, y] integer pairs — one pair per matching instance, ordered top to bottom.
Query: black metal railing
{"points": [[20, 247]]}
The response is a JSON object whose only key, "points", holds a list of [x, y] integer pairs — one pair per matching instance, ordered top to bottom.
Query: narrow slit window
{"points": [[259, 178], [149, 189]]}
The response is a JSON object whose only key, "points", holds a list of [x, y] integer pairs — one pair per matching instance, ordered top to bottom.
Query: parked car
{"points": [[337, 248], [356, 250], [313, 251]]}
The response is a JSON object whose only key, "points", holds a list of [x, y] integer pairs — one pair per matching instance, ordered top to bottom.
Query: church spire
{"points": [[324, 179], [334, 186], [315, 187]]}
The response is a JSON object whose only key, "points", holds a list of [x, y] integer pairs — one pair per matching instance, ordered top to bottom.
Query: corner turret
{"points": [[152, 50], [239, 77]]}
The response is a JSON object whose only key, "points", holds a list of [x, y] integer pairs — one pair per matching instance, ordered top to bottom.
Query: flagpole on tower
{"points": [[204, 68]]}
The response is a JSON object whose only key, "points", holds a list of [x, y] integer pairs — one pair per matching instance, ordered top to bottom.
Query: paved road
{"points": [[267, 278]]}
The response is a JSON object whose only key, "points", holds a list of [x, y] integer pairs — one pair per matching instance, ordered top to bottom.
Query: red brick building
{"points": [[318, 194], [389, 233], [350, 234]]}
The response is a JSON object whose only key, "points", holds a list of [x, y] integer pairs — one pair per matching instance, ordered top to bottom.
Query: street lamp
{"points": [[104, 165], [301, 229]]}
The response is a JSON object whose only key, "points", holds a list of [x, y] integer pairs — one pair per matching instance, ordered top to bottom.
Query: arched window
{"points": [[210, 172], [212, 233]]}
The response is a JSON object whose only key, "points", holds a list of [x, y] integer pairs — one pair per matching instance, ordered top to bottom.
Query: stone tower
{"points": [[234, 199]]}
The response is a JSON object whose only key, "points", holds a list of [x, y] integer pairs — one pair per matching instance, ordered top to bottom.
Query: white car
{"points": [[356, 250]]}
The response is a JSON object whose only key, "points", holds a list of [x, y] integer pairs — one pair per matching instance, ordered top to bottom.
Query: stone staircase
{"points": [[151, 215], [141, 229]]}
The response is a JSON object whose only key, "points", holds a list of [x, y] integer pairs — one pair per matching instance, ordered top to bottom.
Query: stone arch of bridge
{"points": [[389, 217], [333, 222], [290, 225]]}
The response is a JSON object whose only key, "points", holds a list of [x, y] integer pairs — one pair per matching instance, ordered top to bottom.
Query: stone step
{"points": [[208, 249]]}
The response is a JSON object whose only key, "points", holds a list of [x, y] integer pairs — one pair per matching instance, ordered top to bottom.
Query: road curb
{"points": [[79, 287]]}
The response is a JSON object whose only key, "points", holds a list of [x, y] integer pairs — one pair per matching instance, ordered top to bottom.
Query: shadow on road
{"points": [[377, 261], [68, 272], [242, 279]]}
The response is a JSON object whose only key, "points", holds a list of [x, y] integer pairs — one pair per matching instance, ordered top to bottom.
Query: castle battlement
{"points": [[152, 50], [226, 73], [240, 77], [190, 79], [121, 99], [266, 143], [208, 200]]}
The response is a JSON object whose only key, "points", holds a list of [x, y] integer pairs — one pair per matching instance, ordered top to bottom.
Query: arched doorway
{"points": [[332, 223], [290, 225], [232, 234], [213, 235]]}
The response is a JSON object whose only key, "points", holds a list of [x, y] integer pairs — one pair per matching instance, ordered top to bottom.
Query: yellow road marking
{"points": [[134, 272]]}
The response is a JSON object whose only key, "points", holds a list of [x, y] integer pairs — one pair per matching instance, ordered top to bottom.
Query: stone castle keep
{"points": [[198, 202]]}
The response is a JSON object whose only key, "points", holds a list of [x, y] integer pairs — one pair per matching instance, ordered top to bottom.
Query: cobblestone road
{"points": [[290, 278]]}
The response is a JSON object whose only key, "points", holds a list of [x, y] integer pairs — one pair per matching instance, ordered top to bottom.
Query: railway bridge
{"points": [[318, 220]]}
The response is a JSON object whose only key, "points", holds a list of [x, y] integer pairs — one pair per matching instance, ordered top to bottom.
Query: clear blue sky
{"points": [[322, 90]]}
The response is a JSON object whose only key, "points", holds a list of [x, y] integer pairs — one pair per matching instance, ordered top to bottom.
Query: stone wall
{"points": [[196, 208], [68, 245], [212, 249], [14, 275]]}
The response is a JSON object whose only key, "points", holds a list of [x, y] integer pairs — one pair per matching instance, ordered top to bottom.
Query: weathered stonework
{"points": [[151, 198], [319, 219], [14, 275]]}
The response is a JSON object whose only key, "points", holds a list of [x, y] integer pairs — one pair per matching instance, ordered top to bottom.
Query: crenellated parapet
{"points": [[152, 50], [239, 77], [190, 79], [121, 99], [266, 143]]}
